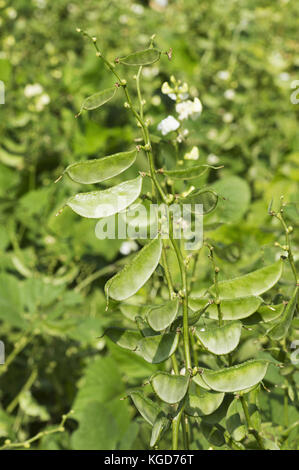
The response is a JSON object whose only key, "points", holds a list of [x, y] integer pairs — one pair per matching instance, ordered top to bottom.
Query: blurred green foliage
{"points": [[239, 58]]}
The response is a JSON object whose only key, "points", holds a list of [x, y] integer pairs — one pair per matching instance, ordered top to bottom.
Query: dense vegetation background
{"points": [[239, 58]]}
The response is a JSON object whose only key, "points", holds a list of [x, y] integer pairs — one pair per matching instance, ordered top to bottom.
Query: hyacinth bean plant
{"points": [[200, 386]]}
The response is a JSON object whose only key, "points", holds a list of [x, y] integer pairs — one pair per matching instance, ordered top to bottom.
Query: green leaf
{"points": [[145, 57], [98, 99], [101, 169], [189, 173], [236, 194], [207, 198], [99, 204], [135, 274], [254, 283], [232, 309], [161, 316], [280, 330], [127, 339], [222, 339], [156, 349], [236, 378], [170, 388], [200, 402], [146, 407], [234, 424], [161, 425], [92, 432]]}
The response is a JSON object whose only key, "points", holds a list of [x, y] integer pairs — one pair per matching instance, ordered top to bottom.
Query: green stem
{"points": [[288, 246], [184, 293], [176, 424], [251, 429]]}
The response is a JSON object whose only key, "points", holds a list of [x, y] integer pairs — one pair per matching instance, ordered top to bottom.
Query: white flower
{"points": [[162, 3], [137, 9], [11, 13], [123, 19], [223, 74], [284, 76], [33, 90], [229, 94], [156, 100], [42, 101], [189, 108], [228, 117], [168, 125], [212, 134], [193, 154], [213, 159], [127, 247]]}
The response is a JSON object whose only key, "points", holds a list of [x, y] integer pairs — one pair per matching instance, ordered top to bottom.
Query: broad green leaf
{"points": [[145, 57], [98, 99], [101, 169], [189, 173], [206, 197], [234, 198], [99, 204], [135, 274], [254, 283], [232, 309], [161, 316], [280, 330], [127, 339], [221, 339], [156, 349], [236, 378], [170, 388], [200, 402], [146, 407], [234, 424], [160, 426], [92, 432]]}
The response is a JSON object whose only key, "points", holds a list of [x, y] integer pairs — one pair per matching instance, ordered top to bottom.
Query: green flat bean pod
{"points": [[141, 58], [98, 99], [101, 169], [189, 173], [207, 198], [99, 204], [135, 274], [254, 283], [232, 309], [162, 316], [280, 330], [127, 339], [222, 339], [156, 349], [236, 378], [170, 388], [200, 402], [146, 407], [235, 421], [161, 425]]}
